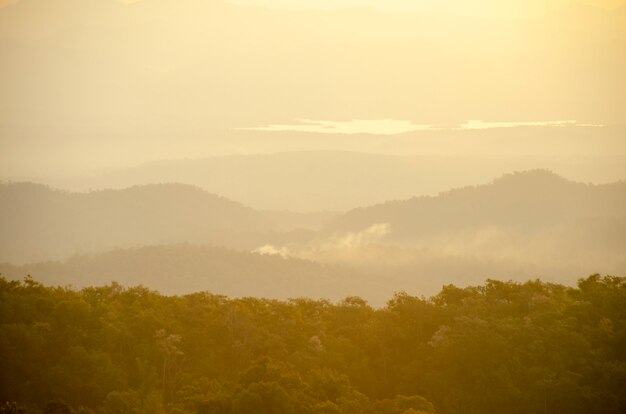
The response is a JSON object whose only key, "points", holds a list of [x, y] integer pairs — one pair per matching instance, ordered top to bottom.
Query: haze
{"points": [[473, 8], [92, 85], [300, 113]]}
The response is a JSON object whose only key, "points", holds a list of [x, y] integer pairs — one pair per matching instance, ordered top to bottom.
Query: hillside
{"points": [[524, 202], [40, 223], [520, 226], [184, 268]]}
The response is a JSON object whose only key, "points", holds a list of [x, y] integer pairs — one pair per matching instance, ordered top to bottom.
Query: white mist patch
{"points": [[369, 236], [338, 244], [270, 250]]}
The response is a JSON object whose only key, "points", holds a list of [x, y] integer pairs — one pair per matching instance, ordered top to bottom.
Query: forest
{"points": [[530, 347]]}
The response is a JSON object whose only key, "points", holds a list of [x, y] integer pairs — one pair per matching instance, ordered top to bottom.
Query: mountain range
{"points": [[314, 181], [525, 201], [40, 223], [520, 226]]}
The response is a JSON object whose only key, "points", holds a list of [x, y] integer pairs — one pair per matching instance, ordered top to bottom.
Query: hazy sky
{"points": [[467, 7], [471, 7], [97, 84]]}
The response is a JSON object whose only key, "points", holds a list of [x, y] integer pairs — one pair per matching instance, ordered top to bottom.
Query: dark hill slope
{"points": [[525, 202], [39, 223], [183, 268]]}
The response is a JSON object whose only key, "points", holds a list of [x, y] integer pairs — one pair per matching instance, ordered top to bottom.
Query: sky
{"points": [[465, 7], [511, 8], [98, 85]]}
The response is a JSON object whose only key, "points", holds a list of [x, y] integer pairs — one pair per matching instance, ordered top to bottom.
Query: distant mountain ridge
{"points": [[336, 180], [524, 201], [40, 223], [519, 226], [185, 268]]}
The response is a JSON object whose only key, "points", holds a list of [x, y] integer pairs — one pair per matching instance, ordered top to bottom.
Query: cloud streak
{"points": [[394, 126]]}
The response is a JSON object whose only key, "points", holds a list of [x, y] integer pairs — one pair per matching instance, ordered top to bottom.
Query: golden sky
{"points": [[466, 7], [95, 83]]}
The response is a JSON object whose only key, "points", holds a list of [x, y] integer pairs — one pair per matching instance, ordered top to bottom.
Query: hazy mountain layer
{"points": [[342, 180], [525, 202], [39, 223], [520, 226], [182, 269]]}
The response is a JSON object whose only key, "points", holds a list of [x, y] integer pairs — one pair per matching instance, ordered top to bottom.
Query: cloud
{"points": [[478, 124], [357, 126], [395, 126]]}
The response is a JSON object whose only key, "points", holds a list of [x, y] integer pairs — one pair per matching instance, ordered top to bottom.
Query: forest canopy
{"points": [[500, 347]]}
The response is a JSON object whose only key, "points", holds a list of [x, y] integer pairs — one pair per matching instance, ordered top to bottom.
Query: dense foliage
{"points": [[500, 347]]}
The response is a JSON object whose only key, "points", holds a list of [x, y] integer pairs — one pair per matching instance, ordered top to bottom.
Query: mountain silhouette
{"points": [[524, 202], [41, 223], [185, 268]]}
